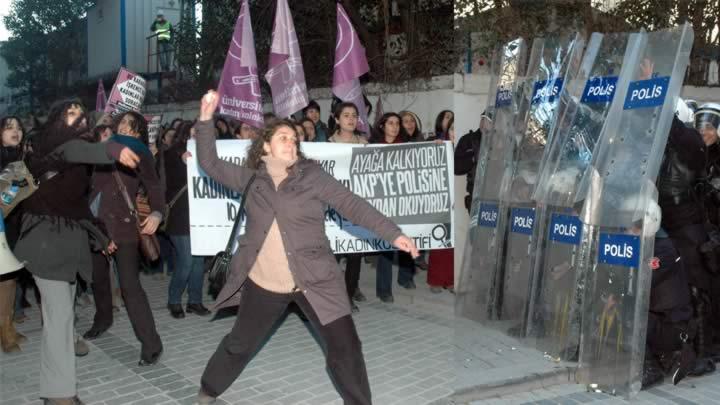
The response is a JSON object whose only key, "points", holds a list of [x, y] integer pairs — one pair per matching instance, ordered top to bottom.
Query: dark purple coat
{"points": [[298, 205]]}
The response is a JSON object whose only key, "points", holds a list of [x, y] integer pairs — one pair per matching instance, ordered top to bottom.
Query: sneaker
{"points": [[410, 285], [359, 296], [388, 299], [353, 307], [197, 309], [20, 318]]}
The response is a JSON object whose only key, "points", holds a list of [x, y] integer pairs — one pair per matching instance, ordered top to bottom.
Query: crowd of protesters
{"points": [[79, 238]]}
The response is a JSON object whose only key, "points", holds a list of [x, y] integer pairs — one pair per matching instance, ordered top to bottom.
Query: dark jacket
{"points": [[466, 154], [299, 206], [113, 211], [178, 220], [54, 240]]}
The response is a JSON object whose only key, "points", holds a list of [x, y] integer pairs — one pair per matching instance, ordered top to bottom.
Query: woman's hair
{"points": [[342, 106], [6, 119], [219, 120], [304, 120], [439, 120], [172, 124], [139, 125], [54, 132], [182, 133], [378, 133], [446, 133], [417, 134], [256, 150]]}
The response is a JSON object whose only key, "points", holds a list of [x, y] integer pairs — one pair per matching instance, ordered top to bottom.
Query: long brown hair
{"points": [[256, 150]]}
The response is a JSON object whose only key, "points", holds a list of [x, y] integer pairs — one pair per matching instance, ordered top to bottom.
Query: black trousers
{"points": [[127, 259], [352, 271], [258, 311]]}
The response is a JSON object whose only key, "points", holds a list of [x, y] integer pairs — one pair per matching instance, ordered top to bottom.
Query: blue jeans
{"points": [[165, 54], [188, 273], [383, 282]]}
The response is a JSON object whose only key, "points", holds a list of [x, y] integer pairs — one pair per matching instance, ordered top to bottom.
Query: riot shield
{"points": [[553, 60], [621, 214], [475, 290], [554, 313]]}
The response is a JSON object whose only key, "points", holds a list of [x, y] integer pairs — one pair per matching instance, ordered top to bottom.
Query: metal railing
{"points": [[154, 54], [698, 70]]}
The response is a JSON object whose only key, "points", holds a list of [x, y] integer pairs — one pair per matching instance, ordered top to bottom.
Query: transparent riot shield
{"points": [[553, 60], [620, 212], [475, 289], [554, 313]]}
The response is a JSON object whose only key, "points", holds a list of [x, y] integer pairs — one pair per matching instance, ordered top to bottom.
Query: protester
{"points": [[164, 30], [312, 112], [346, 114], [176, 123], [442, 123], [411, 126], [309, 128], [223, 129], [131, 130], [245, 131], [300, 131], [388, 132], [168, 137], [10, 151], [56, 233], [285, 255], [441, 265], [188, 272]]}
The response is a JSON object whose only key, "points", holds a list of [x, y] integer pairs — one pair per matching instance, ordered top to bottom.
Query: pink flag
{"points": [[350, 64], [285, 74], [239, 88], [100, 99]]}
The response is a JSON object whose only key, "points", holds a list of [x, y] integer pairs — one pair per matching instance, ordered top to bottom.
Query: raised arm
{"points": [[80, 151], [229, 174]]}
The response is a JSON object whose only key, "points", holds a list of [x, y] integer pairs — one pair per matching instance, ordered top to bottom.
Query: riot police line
{"points": [[602, 186]]}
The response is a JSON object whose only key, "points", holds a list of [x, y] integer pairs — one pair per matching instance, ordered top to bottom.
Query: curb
{"points": [[565, 375]]}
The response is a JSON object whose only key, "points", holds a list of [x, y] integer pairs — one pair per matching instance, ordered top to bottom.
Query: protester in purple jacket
{"points": [[285, 256]]}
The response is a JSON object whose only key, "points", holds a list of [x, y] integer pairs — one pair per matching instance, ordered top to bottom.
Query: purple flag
{"points": [[350, 64], [285, 70], [239, 88], [100, 99]]}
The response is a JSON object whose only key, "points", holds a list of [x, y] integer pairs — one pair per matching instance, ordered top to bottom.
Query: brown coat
{"points": [[298, 205]]}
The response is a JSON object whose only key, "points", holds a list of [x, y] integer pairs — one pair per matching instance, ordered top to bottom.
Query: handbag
{"points": [[16, 185], [169, 206], [149, 245], [220, 264]]}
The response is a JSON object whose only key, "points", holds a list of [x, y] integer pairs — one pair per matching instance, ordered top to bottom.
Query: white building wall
{"points": [[104, 33]]}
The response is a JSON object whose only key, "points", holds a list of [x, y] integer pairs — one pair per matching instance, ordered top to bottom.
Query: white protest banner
{"points": [[128, 93], [153, 121], [410, 183]]}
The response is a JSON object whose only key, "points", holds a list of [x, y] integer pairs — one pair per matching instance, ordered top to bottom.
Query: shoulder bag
{"points": [[149, 245], [220, 264]]}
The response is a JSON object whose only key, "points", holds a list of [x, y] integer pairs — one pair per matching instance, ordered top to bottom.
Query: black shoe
{"points": [[410, 285], [359, 296], [387, 299], [197, 309], [176, 311], [95, 332], [152, 360], [701, 367]]}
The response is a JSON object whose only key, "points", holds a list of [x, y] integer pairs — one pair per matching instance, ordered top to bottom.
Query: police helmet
{"points": [[692, 104], [683, 111], [708, 114], [650, 216]]}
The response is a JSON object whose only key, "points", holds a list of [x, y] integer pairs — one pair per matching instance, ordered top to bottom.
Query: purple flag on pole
{"points": [[350, 64], [285, 70], [239, 88], [100, 99]]}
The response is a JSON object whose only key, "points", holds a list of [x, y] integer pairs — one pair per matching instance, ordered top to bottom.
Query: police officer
{"points": [[163, 29], [707, 122], [466, 154], [683, 220]]}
